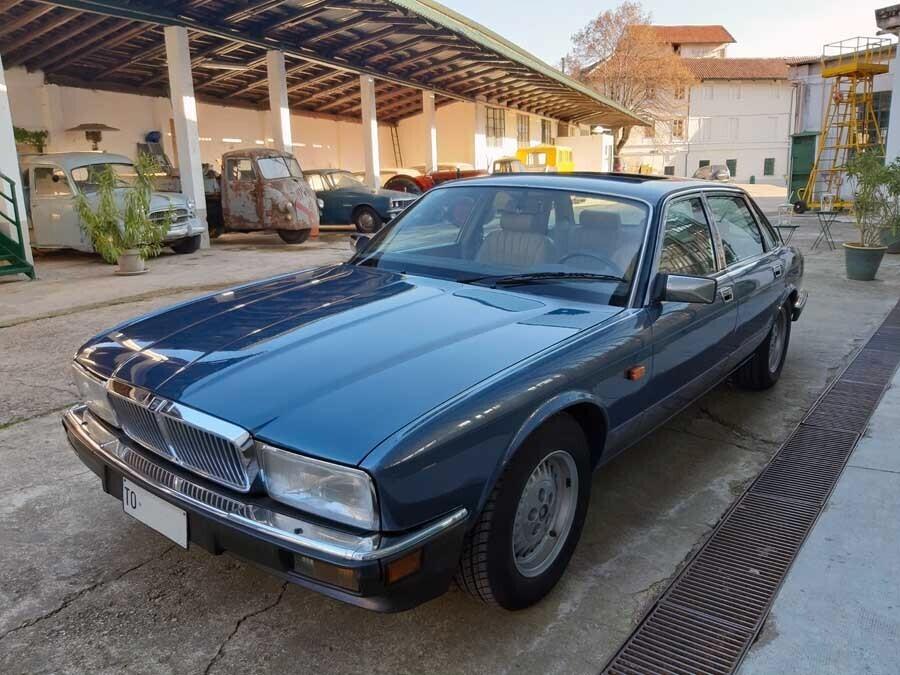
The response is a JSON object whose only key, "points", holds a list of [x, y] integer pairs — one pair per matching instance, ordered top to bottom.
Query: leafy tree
{"points": [[619, 55], [876, 202]]}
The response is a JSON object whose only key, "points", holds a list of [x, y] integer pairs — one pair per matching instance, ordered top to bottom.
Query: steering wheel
{"points": [[607, 262]]}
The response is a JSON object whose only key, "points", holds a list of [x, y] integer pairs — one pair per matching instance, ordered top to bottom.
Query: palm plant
{"points": [[876, 202], [115, 229]]}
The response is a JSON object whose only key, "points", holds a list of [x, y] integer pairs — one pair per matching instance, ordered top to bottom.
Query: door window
{"points": [[240, 169], [50, 182], [316, 182], [741, 238], [687, 242]]}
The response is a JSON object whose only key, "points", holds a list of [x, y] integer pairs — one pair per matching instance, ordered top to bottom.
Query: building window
{"points": [[881, 106], [496, 126], [677, 128], [523, 129], [546, 131], [702, 163], [732, 166], [769, 166], [669, 170]]}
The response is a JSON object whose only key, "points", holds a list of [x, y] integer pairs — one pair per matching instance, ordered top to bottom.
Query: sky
{"points": [[760, 27]]}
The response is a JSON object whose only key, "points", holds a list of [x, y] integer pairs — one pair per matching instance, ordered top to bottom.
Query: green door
{"points": [[803, 154]]}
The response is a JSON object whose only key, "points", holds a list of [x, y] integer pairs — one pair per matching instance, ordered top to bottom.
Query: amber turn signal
{"points": [[635, 372], [403, 567]]}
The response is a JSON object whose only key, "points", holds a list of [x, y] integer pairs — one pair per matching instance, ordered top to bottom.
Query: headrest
{"points": [[600, 219], [519, 222]]}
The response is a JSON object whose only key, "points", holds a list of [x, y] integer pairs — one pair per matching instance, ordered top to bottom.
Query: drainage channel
{"points": [[712, 612]]}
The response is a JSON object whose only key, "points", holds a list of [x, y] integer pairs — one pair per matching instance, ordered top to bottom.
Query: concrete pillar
{"points": [[279, 111], [184, 113], [428, 117], [370, 131], [892, 147], [481, 158], [9, 165]]}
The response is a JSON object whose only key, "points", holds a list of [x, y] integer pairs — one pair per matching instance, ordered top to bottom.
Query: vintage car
{"points": [[546, 158], [507, 165], [420, 180], [51, 181], [264, 190], [343, 199], [434, 408]]}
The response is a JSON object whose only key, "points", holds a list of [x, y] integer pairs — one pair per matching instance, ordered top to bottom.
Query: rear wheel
{"points": [[800, 206], [367, 221], [293, 236], [187, 245], [764, 367], [528, 530]]}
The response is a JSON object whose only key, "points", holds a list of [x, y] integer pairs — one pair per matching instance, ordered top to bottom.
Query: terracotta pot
{"points": [[862, 261], [130, 262]]}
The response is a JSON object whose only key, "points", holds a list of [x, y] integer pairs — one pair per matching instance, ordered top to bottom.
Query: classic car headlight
{"points": [[320, 203], [399, 203], [191, 206], [92, 390], [328, 490]]}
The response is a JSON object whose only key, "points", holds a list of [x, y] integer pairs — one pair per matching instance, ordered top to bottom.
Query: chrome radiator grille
{"points": [[185, 436]]}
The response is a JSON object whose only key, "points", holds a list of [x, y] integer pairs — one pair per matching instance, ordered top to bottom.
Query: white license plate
{"points": [[154, 512]]}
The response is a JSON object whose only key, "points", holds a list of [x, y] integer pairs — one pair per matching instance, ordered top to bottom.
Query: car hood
{"points": [[379, 192], [159, 201], [331, 361]]}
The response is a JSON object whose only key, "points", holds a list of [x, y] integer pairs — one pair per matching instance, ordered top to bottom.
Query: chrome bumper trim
{"points": [[797, 310], [118, 451]]}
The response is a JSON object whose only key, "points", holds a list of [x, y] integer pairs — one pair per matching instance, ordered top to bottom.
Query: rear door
{"points": [[55, 222], [753, 264], [691, 341]]}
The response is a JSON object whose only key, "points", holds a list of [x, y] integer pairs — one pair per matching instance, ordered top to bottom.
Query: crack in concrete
{"points": [[20, 420], [732, 426], [732, 443], [32, 486], [72, 597], [239, 623]]}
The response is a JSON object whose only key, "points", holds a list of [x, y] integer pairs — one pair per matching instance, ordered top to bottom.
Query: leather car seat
{"points": [[520, 242]]}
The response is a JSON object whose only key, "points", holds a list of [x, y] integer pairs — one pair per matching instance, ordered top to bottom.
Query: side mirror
{"points": [[359, 242], [682, 288]]}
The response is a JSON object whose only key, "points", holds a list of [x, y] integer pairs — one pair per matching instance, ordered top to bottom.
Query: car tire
{"points": [[403, 184], [800, 206], [366, 220], [293, 236], [187, 245], [764, 367], [504, 561]]}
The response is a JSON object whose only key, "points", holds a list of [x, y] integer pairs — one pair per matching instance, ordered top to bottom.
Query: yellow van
{"points": [[546, 158]]}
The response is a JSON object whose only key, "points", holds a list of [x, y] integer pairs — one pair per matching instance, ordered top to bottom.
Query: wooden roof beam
{"points": [[26, 18], [51, 25], [44, 47]]}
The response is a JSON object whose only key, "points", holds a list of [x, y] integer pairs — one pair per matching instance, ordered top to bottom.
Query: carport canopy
{"points": [[408, 46]]}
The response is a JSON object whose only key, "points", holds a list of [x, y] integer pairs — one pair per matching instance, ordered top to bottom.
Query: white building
{"points": [[738, 114]]}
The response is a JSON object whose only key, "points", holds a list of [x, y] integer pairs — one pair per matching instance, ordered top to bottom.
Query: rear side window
{"points": [[741, 238], [687, 241]]}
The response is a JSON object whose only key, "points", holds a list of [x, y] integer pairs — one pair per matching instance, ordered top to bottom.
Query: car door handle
{"points": [[778, 270], [727, 293]]}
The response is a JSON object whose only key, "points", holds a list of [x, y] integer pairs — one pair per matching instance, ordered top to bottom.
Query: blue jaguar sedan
{"points": [[345, 200], [433, 409]]}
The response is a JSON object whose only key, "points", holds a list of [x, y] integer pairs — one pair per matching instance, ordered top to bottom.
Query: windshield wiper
{"points": [[537, 277]]}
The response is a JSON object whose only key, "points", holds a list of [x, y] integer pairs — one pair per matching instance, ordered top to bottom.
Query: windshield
{"points": [[279, 167], [86, 177], [344, 179], [479, 234]]}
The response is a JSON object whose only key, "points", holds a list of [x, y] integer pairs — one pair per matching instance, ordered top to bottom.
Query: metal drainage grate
{"points": [[709, 616]]}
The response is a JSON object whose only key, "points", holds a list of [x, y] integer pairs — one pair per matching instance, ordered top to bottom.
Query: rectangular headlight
{"points": [[92, 390], [331, 491]]}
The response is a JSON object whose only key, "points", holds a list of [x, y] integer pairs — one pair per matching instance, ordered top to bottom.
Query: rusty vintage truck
{"points": [[262, 189]]}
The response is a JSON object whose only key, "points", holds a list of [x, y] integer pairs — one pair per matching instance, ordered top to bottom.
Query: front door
{"points": [[240, 200], [54, 220], [758, 273], [691, 341]]}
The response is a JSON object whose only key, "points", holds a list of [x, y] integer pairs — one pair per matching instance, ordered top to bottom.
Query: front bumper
{"points": [[189, 227], [800, 305], [257, 530]]}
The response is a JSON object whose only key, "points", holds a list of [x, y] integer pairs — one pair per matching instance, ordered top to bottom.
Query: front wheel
{"points": [[367, 221], [293, 236], [187, 245], [764, 367], [528, 530]]}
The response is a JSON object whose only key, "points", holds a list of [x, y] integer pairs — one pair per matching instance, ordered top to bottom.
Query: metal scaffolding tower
{"points": [[849, 126]]}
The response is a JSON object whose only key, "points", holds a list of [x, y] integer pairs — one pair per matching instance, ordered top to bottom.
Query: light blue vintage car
{"points": [[51, 181]]}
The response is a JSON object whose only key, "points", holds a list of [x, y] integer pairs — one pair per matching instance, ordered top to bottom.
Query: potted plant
{"points": [[35, 139], [876, 207], [117, 217]]}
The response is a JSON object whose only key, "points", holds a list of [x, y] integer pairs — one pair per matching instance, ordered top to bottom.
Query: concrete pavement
{"points": [[839, 609]]}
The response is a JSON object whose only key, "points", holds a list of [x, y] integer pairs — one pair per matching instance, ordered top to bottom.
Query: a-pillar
{"points": [[279, 111], [184, 113], [428, 116], [370, 131], [9, 166]]}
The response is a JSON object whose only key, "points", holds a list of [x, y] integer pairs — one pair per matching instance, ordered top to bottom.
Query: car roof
{"points": [[71, 160], [638, 186]]}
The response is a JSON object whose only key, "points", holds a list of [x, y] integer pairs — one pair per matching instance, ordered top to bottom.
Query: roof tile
{"points": [[693, 34], [738, 69]]}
